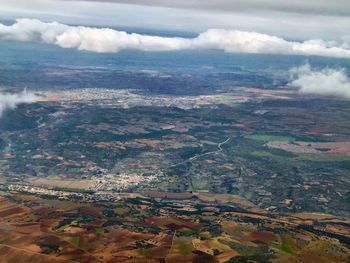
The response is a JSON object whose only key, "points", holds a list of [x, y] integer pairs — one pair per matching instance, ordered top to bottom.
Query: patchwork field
{"points": [[158, 229]]}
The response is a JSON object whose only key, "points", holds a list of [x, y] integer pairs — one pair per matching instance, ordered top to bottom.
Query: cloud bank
{"points": [[106, 40], [334, 82], [10, 101]]}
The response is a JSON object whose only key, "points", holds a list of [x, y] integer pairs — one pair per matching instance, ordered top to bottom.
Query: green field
{"points": [[266, 138], [320, 158], [75, 241], [286, 248]]}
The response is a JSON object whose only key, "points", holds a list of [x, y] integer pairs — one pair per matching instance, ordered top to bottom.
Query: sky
{"points": [[297, 19], [313, 27]]}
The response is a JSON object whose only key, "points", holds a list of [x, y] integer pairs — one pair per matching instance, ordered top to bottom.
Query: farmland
{"points": [[157, 229]]}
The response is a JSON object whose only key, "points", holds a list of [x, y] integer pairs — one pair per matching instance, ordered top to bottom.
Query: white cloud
{"points": [[299, 19], [110, 40], [334, 82], [10, 100]]}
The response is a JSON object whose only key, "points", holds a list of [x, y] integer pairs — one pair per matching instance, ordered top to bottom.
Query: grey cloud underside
{"points": [[320, 7], [312, 19], [106, 40]]}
